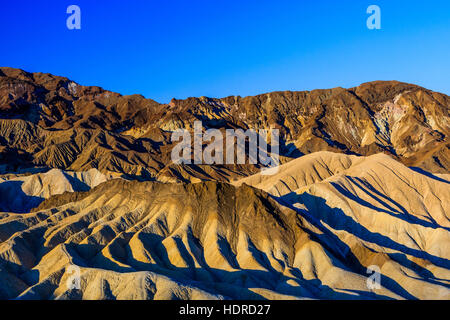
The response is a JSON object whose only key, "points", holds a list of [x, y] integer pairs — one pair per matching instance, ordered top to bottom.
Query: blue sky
{"points": [[165, 49]]}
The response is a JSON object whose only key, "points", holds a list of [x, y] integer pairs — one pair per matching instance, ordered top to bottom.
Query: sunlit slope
{"points": [[374, 201], [313, 239]]}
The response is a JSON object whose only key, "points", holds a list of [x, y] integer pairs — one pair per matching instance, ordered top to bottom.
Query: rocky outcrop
{"points": [[51, 121], [88, 189], [329, 218]]}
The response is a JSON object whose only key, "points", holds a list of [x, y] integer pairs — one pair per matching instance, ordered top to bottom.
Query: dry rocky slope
{"points": [[50, 121], [86, 180]]}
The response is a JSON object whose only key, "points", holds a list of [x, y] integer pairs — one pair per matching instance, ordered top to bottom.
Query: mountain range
{"points": [[87, 180]]}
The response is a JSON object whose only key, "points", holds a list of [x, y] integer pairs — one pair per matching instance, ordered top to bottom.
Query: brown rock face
{"points": [[51, 121]]}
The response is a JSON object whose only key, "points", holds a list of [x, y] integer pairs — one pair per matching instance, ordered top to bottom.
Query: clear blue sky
{"points": [[172, 48]]}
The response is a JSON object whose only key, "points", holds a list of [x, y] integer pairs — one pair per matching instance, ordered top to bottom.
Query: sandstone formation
{"points": [[88, 189]]}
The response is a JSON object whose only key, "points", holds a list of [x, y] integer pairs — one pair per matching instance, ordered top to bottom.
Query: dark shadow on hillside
{"points": [[429, 174], [77, 185], [13, 199], [402, 213], [338, 220], [231, 284], [237, 284]]}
